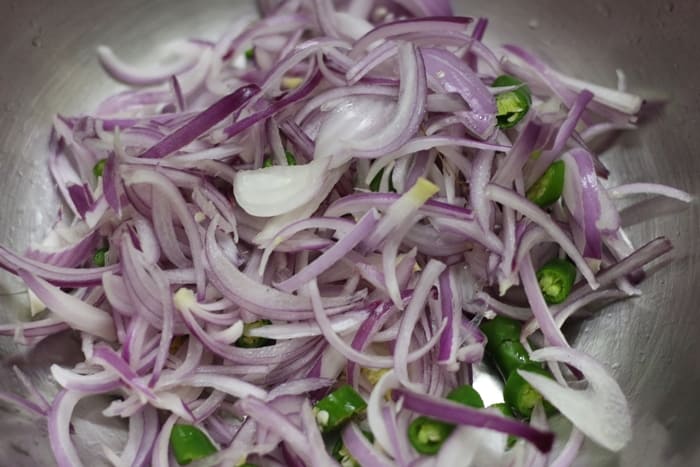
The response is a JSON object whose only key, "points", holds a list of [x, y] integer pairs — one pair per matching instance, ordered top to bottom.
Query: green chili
{"points": [[250, 53], [512, 105], [291, 160], [99, 168], [377, 181], [548, 188], [99, 259], [556, 278], [499, 330], [253, 342], [504, 344], [510, 356], [466, 395], [522, 397], [338, 407], [503, 408], [427, 435], [189, 444]]}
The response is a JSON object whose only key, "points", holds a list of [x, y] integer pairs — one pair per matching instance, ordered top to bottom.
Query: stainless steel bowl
{"points": [[652, 344]]}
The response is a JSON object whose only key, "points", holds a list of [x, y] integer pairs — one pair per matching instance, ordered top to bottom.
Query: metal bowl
{"points": [[652, 343]]}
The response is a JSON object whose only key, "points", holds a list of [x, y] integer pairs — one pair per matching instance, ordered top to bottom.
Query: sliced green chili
{"points": [[250, 53], [512, 105], [291, 160], [99, 168], [377, 181], [548, 188], [99, 259], [556, 278], [499, 330], [253, 342], [504, 344], [510, 356], [466, 395], [522, 397], [338, 407], [503, 408], [427, 435], [189, 444]]}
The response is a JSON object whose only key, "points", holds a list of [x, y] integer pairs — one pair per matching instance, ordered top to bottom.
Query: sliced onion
{"points": [[395, 28], [453, 75], [201, 123], [279, 189], [334, 254], [427, 280], [70, 308], [387, 382], [276, 422], [59, 428], [360, 448]]}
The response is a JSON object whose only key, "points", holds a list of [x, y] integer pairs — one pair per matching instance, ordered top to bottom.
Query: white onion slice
{"points": [[277, 190], [600, 411]]}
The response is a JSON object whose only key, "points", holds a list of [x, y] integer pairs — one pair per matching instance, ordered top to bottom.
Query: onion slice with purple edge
{"points": [[454, 75], [201, 123], [352, 130], [588, 203], [334, 254], [56, 275], [428, 279], [253, 295], [71, 309], [599, 411], [279, 424], [59, 428], [361, 449]]}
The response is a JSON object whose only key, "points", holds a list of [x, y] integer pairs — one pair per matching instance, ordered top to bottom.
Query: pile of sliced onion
{"points": [[204, 236]]}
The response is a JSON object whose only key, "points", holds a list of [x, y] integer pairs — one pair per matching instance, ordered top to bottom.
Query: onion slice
{"points": [[277, 190], [71, 309], [599, 411]]}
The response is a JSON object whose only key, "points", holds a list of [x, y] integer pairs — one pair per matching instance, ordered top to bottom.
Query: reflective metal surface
{"points": [[652, 344]]}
